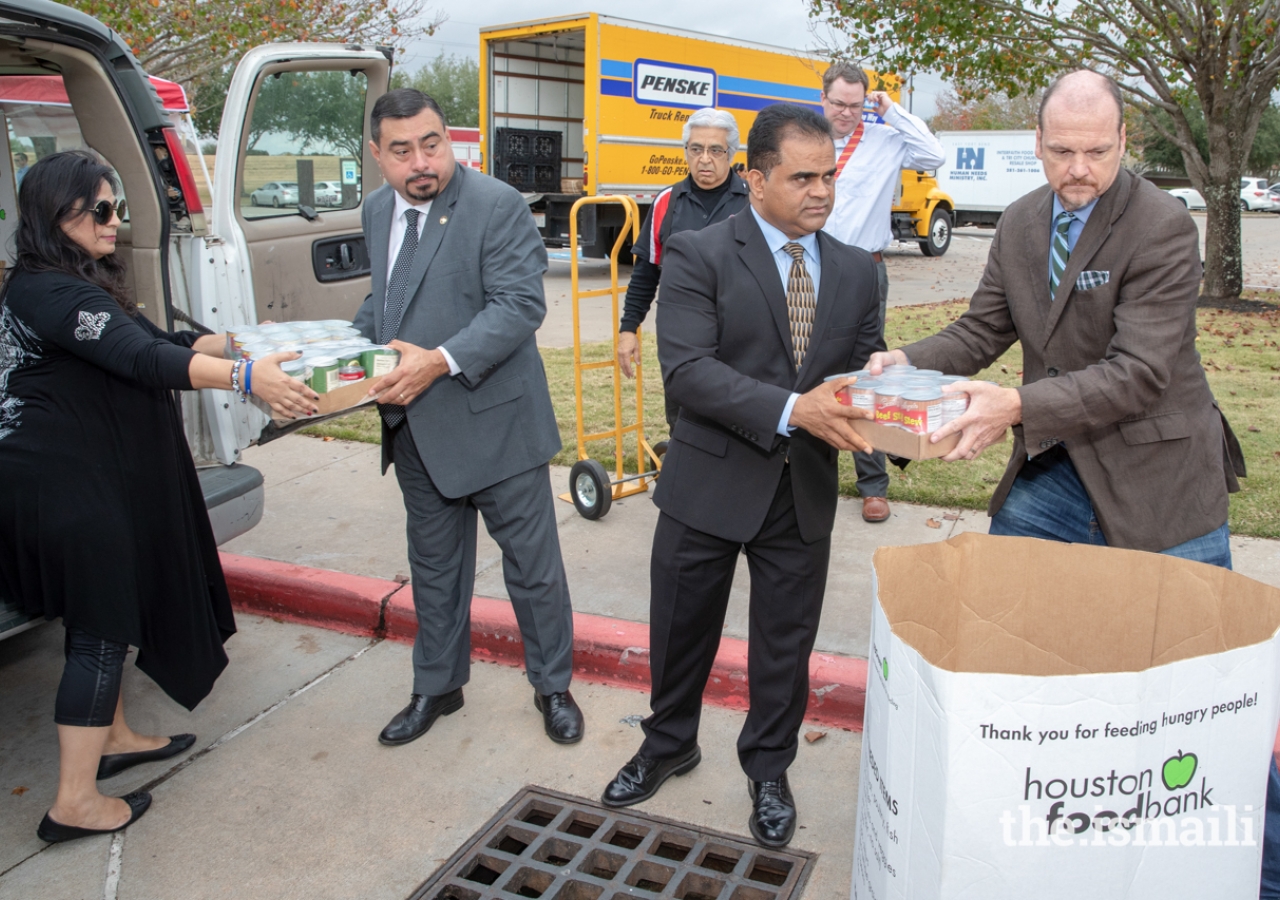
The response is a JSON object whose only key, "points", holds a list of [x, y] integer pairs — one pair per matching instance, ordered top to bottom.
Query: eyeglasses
{"points": [[844, 107], [716, 152], [104, 209]]}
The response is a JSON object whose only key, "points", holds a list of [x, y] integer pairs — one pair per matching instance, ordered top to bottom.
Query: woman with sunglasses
{"points": [[102, 518]]}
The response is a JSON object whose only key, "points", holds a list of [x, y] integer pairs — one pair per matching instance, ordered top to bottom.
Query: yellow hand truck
{"points": [[591, 490]]}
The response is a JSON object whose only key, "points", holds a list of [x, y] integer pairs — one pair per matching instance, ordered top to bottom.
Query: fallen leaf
{"points": [[1254, 428], [328, 437], [952, 517], [933, 523], [402, 578], [814, 736], [19, 791]]}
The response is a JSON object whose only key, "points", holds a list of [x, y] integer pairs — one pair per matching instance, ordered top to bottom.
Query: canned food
{"points": [[258, 350], [378, 361], [296, 368], [898, 369], [350, 373], [927, 373], [324, 374], [862, 393], [954, 404], [887, 409], [921, 410]]}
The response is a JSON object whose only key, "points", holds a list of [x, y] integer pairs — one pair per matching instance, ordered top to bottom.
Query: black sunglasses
{"points": [[103, 210]]}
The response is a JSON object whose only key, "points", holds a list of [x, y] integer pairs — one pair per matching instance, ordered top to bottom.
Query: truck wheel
{"points": [[939, 238], [590, 489]]}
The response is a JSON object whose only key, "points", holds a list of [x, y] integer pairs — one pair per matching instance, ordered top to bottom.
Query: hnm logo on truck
{"points": [[970, 157]]}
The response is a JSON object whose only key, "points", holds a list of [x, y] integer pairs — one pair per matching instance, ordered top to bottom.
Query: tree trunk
{"points": [[1223, 264]]}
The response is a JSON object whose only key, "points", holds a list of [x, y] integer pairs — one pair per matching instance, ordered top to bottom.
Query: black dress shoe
{"points": [[560, 716], [416, 719], [115, 763], [640, 778], [773, 812], [55, 832]]}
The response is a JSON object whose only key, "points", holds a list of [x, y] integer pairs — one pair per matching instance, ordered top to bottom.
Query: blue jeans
{"points": [[1048, 501]]}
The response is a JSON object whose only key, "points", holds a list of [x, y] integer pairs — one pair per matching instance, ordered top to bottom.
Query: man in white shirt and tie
{"points": [[870, 157]]}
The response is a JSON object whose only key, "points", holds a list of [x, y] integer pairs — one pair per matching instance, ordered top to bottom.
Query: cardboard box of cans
{"points": [[337, 362], [909, 406]]}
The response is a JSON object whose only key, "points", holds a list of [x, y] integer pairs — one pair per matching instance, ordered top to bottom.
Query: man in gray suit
{"points": [[466, 416]]}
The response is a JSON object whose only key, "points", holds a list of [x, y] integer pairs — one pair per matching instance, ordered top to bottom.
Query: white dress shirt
{"points": [[865, 189], [399, 224], [783, 260]]}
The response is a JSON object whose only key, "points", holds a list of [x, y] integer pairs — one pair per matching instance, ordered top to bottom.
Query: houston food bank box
{"points": [[1057, 720]]}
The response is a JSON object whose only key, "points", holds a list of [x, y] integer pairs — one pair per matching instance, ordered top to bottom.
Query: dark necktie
{"points": [[1060, 252], [397, 285], [802, 302]]}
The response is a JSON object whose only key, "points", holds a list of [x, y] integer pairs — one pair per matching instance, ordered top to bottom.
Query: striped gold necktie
{"points": [[802, 302]]}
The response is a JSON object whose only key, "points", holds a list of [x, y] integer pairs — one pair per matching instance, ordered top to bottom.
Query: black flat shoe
{"points": [[560, 716], [416, 719], [115, 763], [640, 778], [773, 812], [55, 832]]}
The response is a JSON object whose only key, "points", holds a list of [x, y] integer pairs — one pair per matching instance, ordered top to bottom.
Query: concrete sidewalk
{"points": [[329, 507], [287, 794]]}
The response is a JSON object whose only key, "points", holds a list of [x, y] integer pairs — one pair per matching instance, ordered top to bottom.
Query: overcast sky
{"points": [[783, 23]]}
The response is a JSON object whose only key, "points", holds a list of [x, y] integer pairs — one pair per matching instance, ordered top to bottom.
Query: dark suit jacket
{"points": [[475, 289], [725, 346], [1112, 371]]}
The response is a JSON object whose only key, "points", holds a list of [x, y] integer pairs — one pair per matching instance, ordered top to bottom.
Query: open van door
{"points": [[292, 169]]}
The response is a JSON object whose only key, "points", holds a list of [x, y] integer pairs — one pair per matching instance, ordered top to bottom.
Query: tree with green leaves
{"points": [[198, 42], [1222, 54], [453, 82], [995, 111], [1264, 156]]}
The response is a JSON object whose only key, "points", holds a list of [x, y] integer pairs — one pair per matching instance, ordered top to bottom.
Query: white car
{"points": [[276, 193], [328, 193], [1255, 195], [1190, 197]]}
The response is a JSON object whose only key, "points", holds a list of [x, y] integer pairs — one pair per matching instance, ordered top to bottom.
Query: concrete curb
{"points": [[610, 651]]}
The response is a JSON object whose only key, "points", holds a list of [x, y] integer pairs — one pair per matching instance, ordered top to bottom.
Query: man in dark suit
{"points": [[755, 312], [466, 416]]}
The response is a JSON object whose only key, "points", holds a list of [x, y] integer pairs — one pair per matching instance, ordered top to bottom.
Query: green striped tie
{"points": [[1060, 252]]}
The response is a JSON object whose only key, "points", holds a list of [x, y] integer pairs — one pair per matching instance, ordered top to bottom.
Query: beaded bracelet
{"points": [[235, 378], [248, 379]]}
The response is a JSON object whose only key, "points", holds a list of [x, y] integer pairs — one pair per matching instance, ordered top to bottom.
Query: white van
{"points": [[199, 252]]}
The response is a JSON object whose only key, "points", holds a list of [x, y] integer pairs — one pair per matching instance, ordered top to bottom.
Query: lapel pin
{"points": [[444, 219]]}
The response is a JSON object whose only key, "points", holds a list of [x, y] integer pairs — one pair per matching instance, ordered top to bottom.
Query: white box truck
{"points": [[985, 171]]}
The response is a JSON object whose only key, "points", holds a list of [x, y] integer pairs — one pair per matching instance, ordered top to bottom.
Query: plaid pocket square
{"points": [[1090, 280]]}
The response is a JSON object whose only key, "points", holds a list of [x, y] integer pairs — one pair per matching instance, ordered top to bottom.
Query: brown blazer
{"points": [[1112, 371]]}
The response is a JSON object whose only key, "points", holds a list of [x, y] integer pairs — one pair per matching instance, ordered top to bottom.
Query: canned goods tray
{"points": [[546, 844]]}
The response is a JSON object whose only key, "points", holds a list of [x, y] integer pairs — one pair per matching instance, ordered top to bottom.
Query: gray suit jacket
{"points": [[475, 289], [1111, 369]]}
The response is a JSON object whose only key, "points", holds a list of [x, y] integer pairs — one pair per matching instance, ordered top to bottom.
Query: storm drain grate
{"points": [[546, 844]]}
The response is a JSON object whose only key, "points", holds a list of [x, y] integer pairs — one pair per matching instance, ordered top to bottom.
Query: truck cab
{"points": [[201, 249]]}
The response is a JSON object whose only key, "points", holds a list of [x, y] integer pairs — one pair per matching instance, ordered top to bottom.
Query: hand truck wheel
{"points": [[590, 489]]}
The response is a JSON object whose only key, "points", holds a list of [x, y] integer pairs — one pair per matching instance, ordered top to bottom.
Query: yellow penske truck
{"points": [[591, 104]]}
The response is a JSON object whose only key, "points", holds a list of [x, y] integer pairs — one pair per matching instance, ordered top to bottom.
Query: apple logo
{"points": [[1178, 770]]}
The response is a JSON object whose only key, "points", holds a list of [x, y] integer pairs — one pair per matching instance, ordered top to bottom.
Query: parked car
{"points": [[276, 193], [328, 193], [1256, 196], [1190, 197], [217, 267]]}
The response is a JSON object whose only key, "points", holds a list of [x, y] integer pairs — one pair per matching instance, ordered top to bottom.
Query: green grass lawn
{"points": [[1239, 351]]}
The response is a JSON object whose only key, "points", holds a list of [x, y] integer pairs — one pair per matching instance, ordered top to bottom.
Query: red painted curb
{"points": [[350, 603], [605, 650]]}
